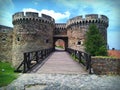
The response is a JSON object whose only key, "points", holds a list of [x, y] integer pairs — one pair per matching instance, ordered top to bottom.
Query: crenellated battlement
{"points": [[21, 17], [48, 17], [90, 18], [105, 18], [60, 25], [60, 29]]}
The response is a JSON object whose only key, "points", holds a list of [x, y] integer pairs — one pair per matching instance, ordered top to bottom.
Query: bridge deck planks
{"points": [[62, 63]]}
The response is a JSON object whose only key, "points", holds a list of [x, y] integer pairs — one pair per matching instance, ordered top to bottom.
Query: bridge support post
{"points": [[36, 56], [79, 56], [90, 64]]}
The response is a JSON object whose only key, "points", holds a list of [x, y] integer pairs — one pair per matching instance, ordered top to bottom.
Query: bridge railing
{"points": [[82, 57], [33, 58]]}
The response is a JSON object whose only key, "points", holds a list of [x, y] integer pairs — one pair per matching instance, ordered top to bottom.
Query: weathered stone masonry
{"points": [[31, 32], [5, 43], [104, 66]]}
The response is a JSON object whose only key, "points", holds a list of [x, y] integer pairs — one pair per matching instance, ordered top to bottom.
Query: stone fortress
{"points": [[31, 32]]}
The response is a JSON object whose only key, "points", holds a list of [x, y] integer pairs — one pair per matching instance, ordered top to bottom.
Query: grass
{"points": [[59, 46], [7, 74]]}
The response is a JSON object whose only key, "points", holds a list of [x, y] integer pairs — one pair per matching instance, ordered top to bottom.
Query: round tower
{"points": [[77, 27], [31, 33]]}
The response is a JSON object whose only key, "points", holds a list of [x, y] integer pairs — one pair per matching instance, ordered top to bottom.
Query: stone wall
{"points": [[76, 34], [5, 43], [103, 66]]}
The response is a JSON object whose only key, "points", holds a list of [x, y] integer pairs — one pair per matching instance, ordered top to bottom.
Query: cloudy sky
{"points": [[62, 10]]}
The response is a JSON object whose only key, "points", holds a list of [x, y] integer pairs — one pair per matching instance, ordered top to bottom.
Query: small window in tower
{"points": [[4, 30], [3, 39], [18, 39], [47, 41], [79, 43]]}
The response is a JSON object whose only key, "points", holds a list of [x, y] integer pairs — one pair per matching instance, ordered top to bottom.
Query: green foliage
{"points": [[94, 42], [59, 46], [74, 57], [77, 59], [7, 74]]}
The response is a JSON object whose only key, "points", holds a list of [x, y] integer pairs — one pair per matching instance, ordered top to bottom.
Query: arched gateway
{"points": [[60, 32], [64, 38]]}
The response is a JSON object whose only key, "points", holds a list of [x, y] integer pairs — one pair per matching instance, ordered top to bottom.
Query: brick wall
{"points": [[103, 66]]}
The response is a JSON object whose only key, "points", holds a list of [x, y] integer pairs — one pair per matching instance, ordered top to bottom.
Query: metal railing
{"points": [[82, 57], [32, 58]]}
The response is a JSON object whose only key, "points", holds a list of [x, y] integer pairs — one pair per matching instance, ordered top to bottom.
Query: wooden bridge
{"points": [[48, 61]]}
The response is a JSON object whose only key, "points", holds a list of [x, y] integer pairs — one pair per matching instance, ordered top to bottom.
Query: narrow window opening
{"points": [[3, 39], [18, 39], [47, 41], [79, 43]]}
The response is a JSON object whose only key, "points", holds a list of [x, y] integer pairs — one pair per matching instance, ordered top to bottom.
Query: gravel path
{"points": [[64, 82]]}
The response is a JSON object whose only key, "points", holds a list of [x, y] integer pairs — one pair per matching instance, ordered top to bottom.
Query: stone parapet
{"points": [[21, 17], [90, 18], [60, 25], [60, 29], [106, 66]]}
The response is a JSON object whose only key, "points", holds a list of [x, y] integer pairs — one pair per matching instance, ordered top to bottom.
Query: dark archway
{"points": [[64, 38]]}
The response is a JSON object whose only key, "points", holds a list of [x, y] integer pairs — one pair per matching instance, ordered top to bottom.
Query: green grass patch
{"points": [[59, 47], [7, 74]]}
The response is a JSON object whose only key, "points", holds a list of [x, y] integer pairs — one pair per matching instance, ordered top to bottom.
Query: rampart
{"points": [[20, 17], [91, 18], [60, 25], [60, 29]]}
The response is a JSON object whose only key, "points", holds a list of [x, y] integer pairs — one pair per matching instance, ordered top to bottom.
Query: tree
{"points": [[94, 42]]}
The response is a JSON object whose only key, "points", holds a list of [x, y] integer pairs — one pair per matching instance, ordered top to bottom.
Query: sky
{"points": [[62, 10]]}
